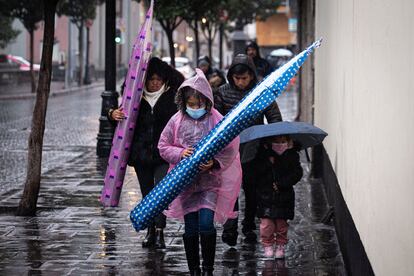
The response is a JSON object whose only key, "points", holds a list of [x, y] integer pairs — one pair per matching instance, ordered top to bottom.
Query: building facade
{"points": [[364, 99]]}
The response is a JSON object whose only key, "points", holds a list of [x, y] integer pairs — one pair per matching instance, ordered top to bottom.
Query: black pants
{"points": [[148, 177], [249, 188]]}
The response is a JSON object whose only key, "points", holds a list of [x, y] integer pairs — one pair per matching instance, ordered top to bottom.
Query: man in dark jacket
{"points": [[263, 67], [241, 79]]}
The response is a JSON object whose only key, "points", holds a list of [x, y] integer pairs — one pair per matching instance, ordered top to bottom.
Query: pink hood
{"points": [[199, 83]]}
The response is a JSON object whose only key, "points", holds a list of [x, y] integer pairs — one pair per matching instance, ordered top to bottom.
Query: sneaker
{"points": [[280, 251], [268, 252]]}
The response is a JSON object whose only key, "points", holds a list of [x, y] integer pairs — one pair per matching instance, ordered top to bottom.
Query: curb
{"points": [[56, 92]]}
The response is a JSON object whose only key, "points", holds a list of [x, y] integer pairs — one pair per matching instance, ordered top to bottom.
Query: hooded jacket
{"points": [[263, 67], [228, 95], [286, 171], [216, 189]]}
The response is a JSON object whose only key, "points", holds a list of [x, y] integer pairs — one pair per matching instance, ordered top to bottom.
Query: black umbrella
{"points": [[304, 135]]}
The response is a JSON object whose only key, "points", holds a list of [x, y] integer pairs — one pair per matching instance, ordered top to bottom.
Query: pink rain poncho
{"points": [[215, 189]]}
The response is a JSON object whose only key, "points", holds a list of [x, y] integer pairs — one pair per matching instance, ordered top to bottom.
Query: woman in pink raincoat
{"points": [[212, 195]]}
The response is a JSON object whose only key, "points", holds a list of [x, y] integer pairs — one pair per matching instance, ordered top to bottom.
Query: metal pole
{"points": [[68, 65], [86, 79], [109, 96]]}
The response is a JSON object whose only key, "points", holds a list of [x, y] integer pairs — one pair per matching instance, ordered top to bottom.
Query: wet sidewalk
{"points": [[73, 235]]}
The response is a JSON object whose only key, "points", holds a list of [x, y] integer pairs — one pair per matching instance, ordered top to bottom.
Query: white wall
{"points": [[364, 99]]}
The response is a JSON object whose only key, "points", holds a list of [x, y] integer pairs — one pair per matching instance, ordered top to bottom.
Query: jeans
{"points": [[148, 177], [200, 222]]}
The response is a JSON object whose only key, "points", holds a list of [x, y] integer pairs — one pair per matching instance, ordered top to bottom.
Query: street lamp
{"points": [[109, 96]]}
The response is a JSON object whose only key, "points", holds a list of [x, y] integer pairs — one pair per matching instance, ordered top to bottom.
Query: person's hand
{"points": [[118, 114], [187, 152], [206, 166]]}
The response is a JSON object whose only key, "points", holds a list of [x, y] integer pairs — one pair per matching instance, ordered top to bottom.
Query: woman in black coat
{"points": [[156, 108], [279, 169]]}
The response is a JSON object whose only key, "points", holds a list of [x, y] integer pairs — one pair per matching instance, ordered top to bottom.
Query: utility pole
{"points": [[68, 64], [87, 78], [109, 96]]}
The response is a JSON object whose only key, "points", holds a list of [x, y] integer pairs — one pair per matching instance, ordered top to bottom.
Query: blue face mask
{"points": [[196, 113]]}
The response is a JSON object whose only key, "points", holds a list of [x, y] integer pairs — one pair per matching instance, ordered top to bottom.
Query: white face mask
{"points": [[196, 113], [280, 148]]}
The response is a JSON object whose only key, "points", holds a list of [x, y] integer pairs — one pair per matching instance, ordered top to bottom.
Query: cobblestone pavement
{"points": [[71, 124], [73, 235]]}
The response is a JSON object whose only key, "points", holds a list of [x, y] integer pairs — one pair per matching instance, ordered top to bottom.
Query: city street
{"points": [[73, 235]]}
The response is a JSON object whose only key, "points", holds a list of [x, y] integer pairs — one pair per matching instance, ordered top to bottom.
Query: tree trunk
{"points": [[169, 33], [306, 35], [80, 38], [197, 40], [210, 46], [32, 76], [27, 205]]}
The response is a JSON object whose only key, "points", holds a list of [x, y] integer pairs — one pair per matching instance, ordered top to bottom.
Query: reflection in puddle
{"points": [[107, 239], [34, 246]]}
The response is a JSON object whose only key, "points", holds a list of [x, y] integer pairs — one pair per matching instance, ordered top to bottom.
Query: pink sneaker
{"points": [[280, 251], [268, 252]]}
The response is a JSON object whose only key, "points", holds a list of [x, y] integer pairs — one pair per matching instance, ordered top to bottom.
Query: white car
{"points": [[23, 64], [182, 64]]}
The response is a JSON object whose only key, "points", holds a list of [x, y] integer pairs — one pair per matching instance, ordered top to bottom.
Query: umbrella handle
{"points": [[307, 155]]}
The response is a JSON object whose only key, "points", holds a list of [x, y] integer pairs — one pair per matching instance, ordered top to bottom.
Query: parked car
{"points": [[24, 65], [183, 65]]}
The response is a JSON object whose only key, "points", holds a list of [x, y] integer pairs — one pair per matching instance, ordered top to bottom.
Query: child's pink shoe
{"points": [[280, 251], [268, 252]]}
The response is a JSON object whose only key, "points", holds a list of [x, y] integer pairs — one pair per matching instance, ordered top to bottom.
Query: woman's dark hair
{"points": [[159, 67], [169, 75], [186, 92]]}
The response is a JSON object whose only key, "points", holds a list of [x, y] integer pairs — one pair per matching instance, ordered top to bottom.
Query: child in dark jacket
{"points": [[280, 170]]}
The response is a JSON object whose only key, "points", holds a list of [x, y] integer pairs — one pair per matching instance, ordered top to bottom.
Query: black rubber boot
{"points": [[230, 234], [150, 237], [159, 239], [191, 246], [208, 251]]}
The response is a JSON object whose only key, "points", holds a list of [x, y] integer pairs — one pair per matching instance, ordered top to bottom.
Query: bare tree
{"points": [[27, 205]]}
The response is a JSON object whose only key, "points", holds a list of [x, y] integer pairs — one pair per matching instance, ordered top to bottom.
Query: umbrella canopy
{"points": [[281, 53], [303, 134]]}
